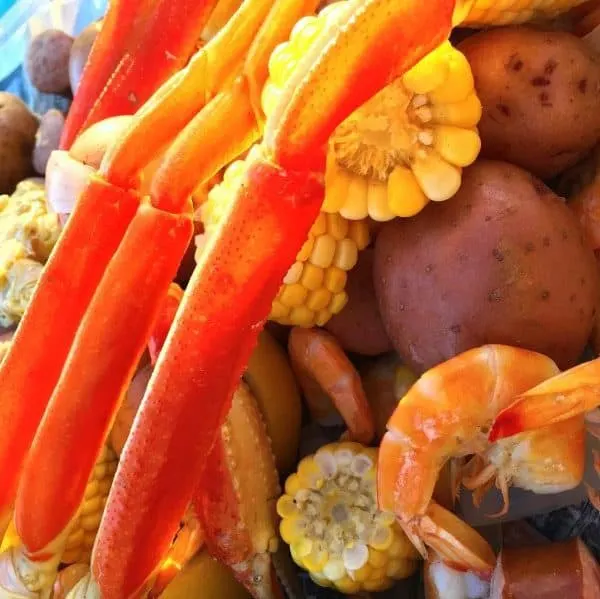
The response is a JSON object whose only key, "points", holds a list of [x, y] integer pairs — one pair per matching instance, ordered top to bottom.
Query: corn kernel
{"points": [[428, 74], [459, 83], [465, 113], [457, 145], [438, 179], [336, 185], [405, 196], [377, 201], [355, 207], [319, 227], [337, 227], [358, 231], [323, 251], [346, 255], [293, 274], [312, 277], [335, 279], [293, 295], [318, 300], [338, 302], [279, 310], [302, 316], [322, 317], [292, 484], [286, 508], [291, 530], [377, 559], [316, 560], [334, 569], [362, 573], [347, 586]]}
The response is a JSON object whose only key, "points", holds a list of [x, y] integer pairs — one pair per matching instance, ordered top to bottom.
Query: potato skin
{"points": [[47, 61], [539, 91], [18, 127], [503, 261], [358, 327]]}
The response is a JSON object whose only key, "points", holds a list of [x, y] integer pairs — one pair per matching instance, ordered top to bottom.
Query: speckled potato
{"points": [[540, 92], [503, 262], [358, 327]]}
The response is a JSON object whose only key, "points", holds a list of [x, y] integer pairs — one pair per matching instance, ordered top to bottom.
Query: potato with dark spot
{"points": [[47, 61], [540, 92], [17, 137], [47, 139], [503, 261], [358, 327]]}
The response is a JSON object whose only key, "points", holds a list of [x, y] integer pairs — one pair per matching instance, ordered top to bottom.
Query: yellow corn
{"points": [[495, 12], [405, 146], [313, 288], [330, 520], [81, 539]]}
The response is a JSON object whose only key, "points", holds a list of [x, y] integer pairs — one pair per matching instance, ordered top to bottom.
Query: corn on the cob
{"points": [[495, 12], [405, 146], [313, 289], [331, 522], [81, 538]]}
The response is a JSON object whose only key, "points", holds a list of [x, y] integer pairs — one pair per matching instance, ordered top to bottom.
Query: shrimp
{"points": [[321, 365], [447, 414]]}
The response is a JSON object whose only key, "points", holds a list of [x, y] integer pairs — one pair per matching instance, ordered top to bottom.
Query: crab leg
{"points": [[167, 33], [217, 77], [230, 293], [29, 372], [559, 398]]}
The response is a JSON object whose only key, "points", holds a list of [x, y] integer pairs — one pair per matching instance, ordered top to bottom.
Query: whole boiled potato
{"points": [[47, 61], [540, 92], [18, 127], [503, 261], [358, 327]]}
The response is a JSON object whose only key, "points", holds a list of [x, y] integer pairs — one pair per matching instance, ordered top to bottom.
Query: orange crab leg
{"points": [[123, 19], [258, 25], [167, 35], [230, 293], [100, 365], [31, 369], [559, 398]]}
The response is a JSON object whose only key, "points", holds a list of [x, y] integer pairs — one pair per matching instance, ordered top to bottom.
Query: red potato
{"points": [[80, 51], [47, 61], [539, 91], [47, 139], [503, 261], [358, 327], [553, 571]]}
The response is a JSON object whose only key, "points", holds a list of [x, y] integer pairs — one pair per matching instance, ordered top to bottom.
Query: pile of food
{"points": [[300, 290]]}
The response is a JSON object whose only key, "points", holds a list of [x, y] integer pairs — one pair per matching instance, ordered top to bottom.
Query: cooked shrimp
{"points": [[320, 365], [447, 414]]}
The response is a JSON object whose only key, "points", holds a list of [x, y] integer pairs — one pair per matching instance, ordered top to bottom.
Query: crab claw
{"points": [[559, 398], [236, 495]]}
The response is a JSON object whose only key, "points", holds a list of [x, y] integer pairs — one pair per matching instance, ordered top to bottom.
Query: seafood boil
{"points": [[375, 181]]}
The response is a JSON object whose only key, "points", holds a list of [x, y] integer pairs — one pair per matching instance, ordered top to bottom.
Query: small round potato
{"points": [[47, 61], [540, 92], [17, 137], [503, 261], [358, 327]]}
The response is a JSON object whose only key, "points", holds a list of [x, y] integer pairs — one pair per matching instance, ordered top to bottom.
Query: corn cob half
{"points": [[498, 12], [405, 146], [313, 289], [332, 524]]}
